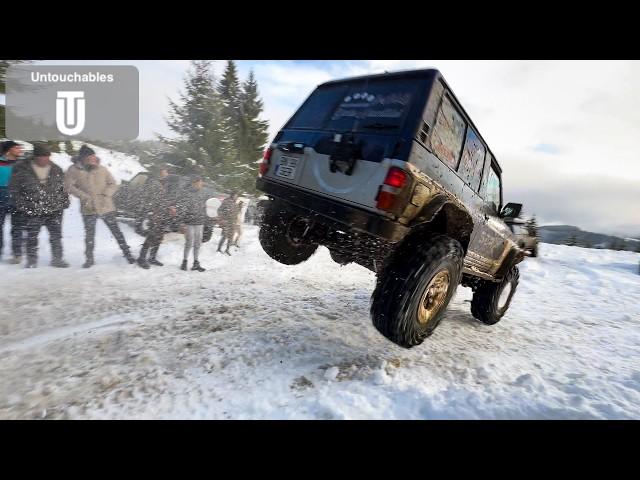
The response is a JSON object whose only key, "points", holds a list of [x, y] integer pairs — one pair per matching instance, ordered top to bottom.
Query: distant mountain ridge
{"points": [[561, 234]]}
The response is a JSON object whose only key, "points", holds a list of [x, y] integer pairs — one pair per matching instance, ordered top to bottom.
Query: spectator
{"points": [[10, 153], [94, 185], [37, 188]]}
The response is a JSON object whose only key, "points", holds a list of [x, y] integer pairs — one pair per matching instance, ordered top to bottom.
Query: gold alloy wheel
{"points": [[433, 297]]}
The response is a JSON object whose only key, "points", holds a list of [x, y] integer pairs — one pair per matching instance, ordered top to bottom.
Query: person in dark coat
{"points": [[10, 154], [37, 188], [159, 203], [192, 213]]}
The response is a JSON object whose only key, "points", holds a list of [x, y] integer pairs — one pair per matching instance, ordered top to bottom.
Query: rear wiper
{"points": [[379, 126]]}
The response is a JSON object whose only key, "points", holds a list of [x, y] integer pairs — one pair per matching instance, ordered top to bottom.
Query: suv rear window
{"points": [[372, 106]]}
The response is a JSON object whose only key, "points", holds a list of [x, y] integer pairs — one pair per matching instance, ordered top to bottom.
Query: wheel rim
{"points": [[504, 295], [433, 297]]}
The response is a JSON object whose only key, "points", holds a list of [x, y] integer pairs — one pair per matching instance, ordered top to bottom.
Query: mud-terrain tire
{"points": [[276, 242], [340, 258], [414, 289], [488, 303]]}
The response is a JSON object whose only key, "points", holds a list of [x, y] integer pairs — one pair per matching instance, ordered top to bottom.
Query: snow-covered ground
{"points": [[250, 338]]}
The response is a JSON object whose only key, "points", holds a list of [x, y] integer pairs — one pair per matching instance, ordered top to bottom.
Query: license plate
{"points": [[287, 167]]}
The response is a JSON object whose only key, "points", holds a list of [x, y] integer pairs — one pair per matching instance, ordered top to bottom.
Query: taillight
{"points": [[266, 160], [396, 177], [395, 180]]}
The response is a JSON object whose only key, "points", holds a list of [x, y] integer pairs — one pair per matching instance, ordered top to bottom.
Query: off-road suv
{"points": [[388, 171]]}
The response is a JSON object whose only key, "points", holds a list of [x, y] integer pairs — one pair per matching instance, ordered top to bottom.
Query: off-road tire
{"points": [[275, 241], [339, 258], [402, 283], [485, 302]]}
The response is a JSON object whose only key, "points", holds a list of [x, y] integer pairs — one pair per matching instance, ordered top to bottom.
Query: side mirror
{"points": [[511, 210]]}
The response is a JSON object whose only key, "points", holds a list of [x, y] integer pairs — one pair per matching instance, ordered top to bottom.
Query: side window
{"points": [[448, 134], [472, 160], [492, 197]]}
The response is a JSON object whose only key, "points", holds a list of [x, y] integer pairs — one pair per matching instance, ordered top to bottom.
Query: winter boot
{"points": [[130, 258], [16, 260], [153, 261], [31, 263], [59, 263], [89, 263], [143, 263], [184, 265], [196, 266]]}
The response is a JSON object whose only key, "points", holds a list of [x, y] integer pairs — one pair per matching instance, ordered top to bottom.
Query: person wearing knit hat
{"points": [[84, 152], [10, 153], [94, 185], [37, 188]]}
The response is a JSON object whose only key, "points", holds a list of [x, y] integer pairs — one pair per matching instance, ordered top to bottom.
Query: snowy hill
{"points": [[121, 165], [250, 338]]}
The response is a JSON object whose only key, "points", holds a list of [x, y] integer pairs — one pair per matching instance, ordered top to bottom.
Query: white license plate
{"points": [[287, 167]]}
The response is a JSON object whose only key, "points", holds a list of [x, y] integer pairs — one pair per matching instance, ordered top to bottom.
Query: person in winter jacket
{"points": [[10, 153], [94, 185], [37, 188], [159, 203], [192, 213], [227, 216]]}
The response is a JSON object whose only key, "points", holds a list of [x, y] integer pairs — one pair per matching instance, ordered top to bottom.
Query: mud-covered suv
{"points": [[388, 171]]}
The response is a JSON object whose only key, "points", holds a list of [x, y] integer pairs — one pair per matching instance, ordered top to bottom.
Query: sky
{"points": [[566, 133]]}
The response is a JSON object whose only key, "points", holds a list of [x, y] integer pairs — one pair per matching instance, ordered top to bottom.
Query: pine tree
{"points": [[4, 65], [228, 89], [218, 127], [253, 131], [198, 147], [68, 148], [532, 226], [572, 241]]}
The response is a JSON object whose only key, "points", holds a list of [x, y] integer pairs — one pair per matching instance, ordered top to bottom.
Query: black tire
{"points": [[276, 242], [534, 251], [340, 258], [402, 285], [486, 305]]}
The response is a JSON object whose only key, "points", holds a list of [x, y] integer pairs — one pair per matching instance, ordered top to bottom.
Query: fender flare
{"points": [[459, 222]]}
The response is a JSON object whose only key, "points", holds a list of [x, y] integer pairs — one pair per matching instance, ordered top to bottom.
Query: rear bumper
{"points": [[334, 214]]}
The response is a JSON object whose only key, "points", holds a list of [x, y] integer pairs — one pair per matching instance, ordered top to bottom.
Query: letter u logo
{"points": [[70, 112]]}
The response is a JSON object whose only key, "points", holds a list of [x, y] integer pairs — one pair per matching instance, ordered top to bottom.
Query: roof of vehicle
{"points": [[420, 73], [428, 73]]}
